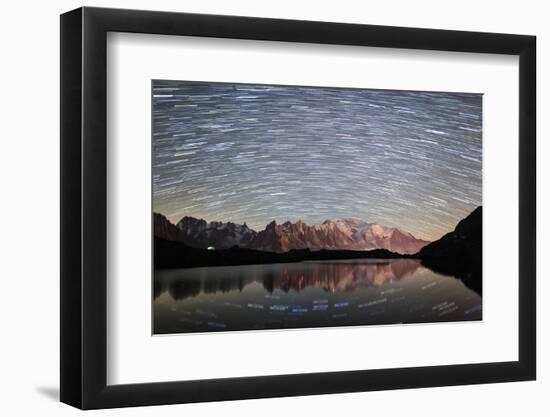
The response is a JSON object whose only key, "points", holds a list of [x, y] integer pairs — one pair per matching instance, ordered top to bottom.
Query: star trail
{"points": [[257, 153]]}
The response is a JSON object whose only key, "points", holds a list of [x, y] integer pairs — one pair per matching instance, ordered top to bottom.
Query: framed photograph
{"points": [[256, 208]]}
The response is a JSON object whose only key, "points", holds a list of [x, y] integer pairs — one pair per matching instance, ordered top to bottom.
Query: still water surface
{"points": [[308, 294]]}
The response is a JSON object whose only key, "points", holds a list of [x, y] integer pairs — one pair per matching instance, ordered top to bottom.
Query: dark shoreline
{"points": [[173, 255]]}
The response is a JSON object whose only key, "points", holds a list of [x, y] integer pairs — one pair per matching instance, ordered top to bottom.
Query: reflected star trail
{"points": [[257, 153]]}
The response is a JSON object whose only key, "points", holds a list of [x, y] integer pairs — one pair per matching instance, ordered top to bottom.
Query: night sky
{"points": [[257, 153]]}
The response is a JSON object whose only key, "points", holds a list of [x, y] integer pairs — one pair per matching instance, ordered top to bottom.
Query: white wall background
{"points": [[29, 176]]}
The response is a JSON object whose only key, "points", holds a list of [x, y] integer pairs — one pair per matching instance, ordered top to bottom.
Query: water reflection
{"points": [[329, 276], [308, 294]]}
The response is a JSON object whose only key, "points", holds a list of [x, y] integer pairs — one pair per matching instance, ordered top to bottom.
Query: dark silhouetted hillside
{"points": [[459, 252], [174, 254]]}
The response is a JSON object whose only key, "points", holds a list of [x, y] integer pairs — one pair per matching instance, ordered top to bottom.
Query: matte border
{"points": [[84, 209]]}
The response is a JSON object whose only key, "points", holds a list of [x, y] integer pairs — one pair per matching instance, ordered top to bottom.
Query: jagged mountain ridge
{"points": [[164, 228], [199, 233], [341, 234]]}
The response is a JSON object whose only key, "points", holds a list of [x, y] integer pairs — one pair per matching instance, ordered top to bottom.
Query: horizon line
{"points": [[312, 224]]}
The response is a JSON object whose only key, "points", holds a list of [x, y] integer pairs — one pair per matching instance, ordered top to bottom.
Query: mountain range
{"points": [[339, 234], [185, 245]]}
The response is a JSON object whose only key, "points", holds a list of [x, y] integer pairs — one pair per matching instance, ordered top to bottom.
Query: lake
{"points": [[308, 294]]}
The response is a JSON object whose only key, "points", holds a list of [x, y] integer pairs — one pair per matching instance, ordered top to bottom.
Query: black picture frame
{"points": [[84, 207]]}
